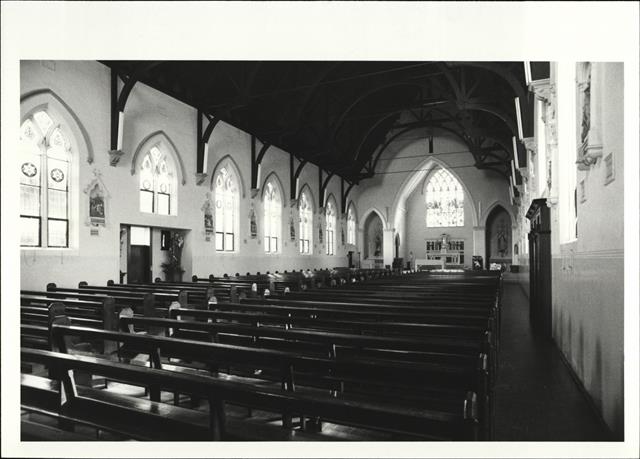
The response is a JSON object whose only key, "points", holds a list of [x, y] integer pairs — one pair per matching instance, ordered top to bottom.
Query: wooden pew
{"points": [[334, 345], [205, 352]]}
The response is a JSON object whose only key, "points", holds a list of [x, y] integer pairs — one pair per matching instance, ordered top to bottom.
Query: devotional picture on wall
{"points": [[98, 197], [96, 206], [207, 208], [252, 223], [292, 228]]}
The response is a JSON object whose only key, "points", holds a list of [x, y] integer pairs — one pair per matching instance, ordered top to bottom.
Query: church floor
{"points": [[536, 398]]}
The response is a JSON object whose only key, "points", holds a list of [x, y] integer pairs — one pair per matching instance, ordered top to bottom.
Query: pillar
{"points": [[387, 246], [479, 247]]}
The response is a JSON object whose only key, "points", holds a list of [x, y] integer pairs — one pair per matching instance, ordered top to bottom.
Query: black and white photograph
{"points": [[401, 229]]}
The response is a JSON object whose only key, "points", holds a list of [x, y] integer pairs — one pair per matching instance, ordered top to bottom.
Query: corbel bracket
{"points": [[588, 154]]}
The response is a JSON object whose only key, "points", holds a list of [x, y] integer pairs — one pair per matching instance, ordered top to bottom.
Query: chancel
{"points": [[428, 249]]}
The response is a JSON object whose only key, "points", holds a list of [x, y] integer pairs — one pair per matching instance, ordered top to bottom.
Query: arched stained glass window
{"points": [[44, 182], [157, 183], [445, 200], [226, 205], [272, 217], [330, 219], [306, 223], [351, 225]]}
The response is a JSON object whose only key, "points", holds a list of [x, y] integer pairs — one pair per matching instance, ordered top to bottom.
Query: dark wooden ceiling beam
{"points": [[118, 103], [202, 145], [256, 161], [344, 195]]}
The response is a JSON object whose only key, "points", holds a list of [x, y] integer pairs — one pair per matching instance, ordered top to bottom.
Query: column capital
{"points": [[542, 89], [530, 144]]}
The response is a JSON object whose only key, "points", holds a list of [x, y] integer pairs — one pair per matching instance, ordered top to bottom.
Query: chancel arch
{"points": [[423, 172]]}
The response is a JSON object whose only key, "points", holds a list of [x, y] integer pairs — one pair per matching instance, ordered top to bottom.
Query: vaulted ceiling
{"points": [[341, 115]]}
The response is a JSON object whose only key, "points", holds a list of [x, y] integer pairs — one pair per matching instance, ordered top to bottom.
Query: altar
{"points": [[441, 253]]}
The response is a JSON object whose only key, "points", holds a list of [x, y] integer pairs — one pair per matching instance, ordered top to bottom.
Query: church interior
{"points": [[321, 250]]}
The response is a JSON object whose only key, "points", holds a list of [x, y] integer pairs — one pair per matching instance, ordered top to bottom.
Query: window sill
{"points": [[158, 215], [52, 251]]}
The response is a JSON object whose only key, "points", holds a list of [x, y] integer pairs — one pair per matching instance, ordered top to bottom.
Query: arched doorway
{"points": [[498, 237], [374, 240], [397, 247]]}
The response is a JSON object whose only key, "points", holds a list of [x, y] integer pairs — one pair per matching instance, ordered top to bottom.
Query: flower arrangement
{"points": [[172, 267]]}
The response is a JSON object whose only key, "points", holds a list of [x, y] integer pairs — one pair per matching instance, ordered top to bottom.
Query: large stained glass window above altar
{"points": [[445, 200]]}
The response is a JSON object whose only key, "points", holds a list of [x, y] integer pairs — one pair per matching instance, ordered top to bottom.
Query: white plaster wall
{"points": [[85, 88], [587, 275]]}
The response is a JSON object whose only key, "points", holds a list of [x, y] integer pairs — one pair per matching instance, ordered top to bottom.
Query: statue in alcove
{"points": [[501, 238], [377, 252]]}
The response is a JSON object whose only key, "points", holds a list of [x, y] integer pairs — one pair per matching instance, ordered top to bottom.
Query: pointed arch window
{"points": [[45, 167], [158, 184], [445, 200], [226, 213], [272, 218], [330, 220], [306, 223], [351, 225]]}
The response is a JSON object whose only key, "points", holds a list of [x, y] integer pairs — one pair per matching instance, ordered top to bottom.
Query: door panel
{"points": [[139, 263]]}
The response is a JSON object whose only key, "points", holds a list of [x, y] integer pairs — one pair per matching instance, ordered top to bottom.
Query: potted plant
{"points": [[172, 267]]}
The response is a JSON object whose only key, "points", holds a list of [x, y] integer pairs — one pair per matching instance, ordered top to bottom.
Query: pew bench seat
{"points": [[147, 420], [34, 431]]}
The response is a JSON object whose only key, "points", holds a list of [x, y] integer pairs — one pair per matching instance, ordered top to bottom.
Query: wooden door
{"points": [[139, 255], [139, 263], [540, 267]]}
